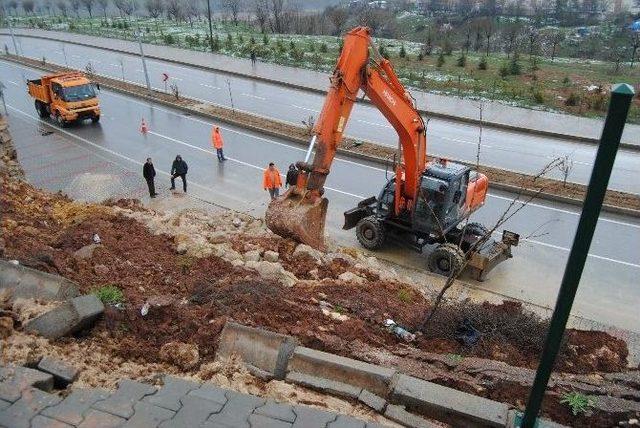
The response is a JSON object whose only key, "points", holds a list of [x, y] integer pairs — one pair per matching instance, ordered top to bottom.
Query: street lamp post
{"points": [[210, 26], [13, 38], [144, 62]]}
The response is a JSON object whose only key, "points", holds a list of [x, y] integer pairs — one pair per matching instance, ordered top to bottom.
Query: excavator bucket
{"points": [[291, 216]]}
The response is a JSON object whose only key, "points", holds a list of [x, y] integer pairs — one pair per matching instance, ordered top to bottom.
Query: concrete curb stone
{"points": [[31, 283], [69, 317], [62, 372], [328, 386], [371, 400], [400, 415]]}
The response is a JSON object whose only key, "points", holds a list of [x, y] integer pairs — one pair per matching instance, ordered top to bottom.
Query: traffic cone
{"points": [[143, 127]]}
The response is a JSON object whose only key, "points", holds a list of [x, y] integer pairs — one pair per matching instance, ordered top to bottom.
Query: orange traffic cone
{"points": [[143, 127]]}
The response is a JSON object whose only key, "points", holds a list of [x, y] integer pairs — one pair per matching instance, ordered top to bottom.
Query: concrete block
{"points": [[30, 283], [67, 318], [263, 349], [345, 370], [63, 373], [15, 379], [327, 386], [172, 391], [210, 392], [372, 400], [121, 402], [447, 404], [74, 406], [273, 410], [236, 412], [20, 413], [193, 413], [147, 415], [400, 415], [308, 417], [96, 418], [515, 420], [343, 421], [45, 422], [267, 422]]}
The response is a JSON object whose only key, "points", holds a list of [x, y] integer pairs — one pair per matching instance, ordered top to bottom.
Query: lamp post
{"points": [[139, 34]]}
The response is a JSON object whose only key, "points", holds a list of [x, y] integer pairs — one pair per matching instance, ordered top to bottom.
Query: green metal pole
{"points": [[210, 26], [621, 97]]}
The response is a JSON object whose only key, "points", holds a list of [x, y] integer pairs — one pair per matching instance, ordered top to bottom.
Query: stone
{"points": [[236, 222], [218, 237], [182, 248], [305, 250], [86, 252], [226, 252], [252, 256], [271, 256], [340, 257], [237, 263], [100, 270], [273, 271], [351, 277], [30, 283], [69, 317], [6, 327], [266, 350], [183, 355], [341, 369], [63, 373], [14, 379], [327, 386], [210, 392], [169, 395], [372, 400], [121, 402], [447, 404], [74, 406], [273, 410], [236, 412], [20, 413], [193, 413], [147, 415], [400, 415], [307, 417], [95, 418], [45, 422]]}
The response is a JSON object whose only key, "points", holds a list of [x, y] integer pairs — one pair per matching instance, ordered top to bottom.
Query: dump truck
{"points": [[66, 97], [427, 201]]}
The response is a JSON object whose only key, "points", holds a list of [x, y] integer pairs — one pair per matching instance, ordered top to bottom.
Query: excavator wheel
{"points": [[370, 233], [447, 259]]}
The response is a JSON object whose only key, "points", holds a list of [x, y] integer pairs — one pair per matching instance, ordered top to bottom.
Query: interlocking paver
{"points": [[63, 373], [14, 379], [210, 392], [169, 395], [122, 401], [4, 404], [72, 408], [271, 409], [236, 412], [20, 413], [193, 413], [148, 416], [307, 417], [95, 418], [343, 421], [45, 422], [267, 422]]}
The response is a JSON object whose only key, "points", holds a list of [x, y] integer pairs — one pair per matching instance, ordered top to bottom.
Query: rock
{"points": [[236, 222], [218, 237], [182, 248], [305, 250], [86, 252], [225, 252], [252, 256], [271, 256], [341, 257], [237, 263], [100, 269], [274, 271], [314, 273], [351, 277], [161, 300], [69, 317], [6, 327], [183, 355], [63, 373]]}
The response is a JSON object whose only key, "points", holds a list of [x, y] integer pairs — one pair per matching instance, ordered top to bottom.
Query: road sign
{"points": [[165, 77]]}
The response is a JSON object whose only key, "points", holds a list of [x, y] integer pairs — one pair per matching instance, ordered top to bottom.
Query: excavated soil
{"points": [[301, 135]]}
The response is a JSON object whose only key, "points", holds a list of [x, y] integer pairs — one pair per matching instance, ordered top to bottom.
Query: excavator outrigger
{"points": [[424, 203]]}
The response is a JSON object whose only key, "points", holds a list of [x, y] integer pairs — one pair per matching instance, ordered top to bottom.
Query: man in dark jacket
{"points": [[179, 168], [149, 174], [292, 176]]}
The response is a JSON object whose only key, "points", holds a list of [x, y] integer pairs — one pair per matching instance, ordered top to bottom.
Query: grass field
{"points": [[567, 85]]}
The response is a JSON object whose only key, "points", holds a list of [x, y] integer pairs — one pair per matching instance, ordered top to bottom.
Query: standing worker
{"points": [[253, 58], [218, 142], [179, 168], [149, 174], [292, 176], [272, 181]]}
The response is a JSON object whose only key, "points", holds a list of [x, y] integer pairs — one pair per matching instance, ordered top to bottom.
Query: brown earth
{"points": [[349, 145]]}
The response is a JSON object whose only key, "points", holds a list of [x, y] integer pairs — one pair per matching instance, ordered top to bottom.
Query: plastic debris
{"points": [[96, 238], [14, 262], [145, 309], [402, 333], [467, 334]]}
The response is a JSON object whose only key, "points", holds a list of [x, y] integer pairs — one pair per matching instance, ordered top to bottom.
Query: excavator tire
{"points": [[477, 229], [370, 233], [447, 259]]}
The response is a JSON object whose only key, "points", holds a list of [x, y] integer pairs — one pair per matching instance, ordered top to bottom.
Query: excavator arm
{"points": [[301, 212]]}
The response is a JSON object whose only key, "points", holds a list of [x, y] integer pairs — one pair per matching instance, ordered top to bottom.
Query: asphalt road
{"points": [[500, 148], [609, 291]]}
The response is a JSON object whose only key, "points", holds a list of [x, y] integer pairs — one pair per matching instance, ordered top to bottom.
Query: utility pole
{"points": [[210, 26], [13, 38], [64, 52], [144, 62], [621, 97], [4, 104]]}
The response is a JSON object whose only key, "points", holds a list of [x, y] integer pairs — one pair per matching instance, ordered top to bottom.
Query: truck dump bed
{"points": [[38, 91]]}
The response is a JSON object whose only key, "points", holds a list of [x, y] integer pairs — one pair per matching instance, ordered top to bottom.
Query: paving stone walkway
{"points": [[178, 403]]}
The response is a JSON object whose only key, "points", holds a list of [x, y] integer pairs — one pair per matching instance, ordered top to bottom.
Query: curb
{"points": [[497, 125], [341, 151], [25, 282]]}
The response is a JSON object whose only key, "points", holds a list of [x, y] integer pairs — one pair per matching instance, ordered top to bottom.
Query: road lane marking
{"points": [[12, 82], [209, 86], [254, 96], [305, 108], [374, 124], [595, 256]]}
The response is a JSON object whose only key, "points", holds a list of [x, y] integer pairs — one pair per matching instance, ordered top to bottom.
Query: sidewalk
{"points": [[448, 107]]}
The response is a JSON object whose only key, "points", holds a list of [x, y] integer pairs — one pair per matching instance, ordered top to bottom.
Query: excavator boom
{"points": [[301, 212]]}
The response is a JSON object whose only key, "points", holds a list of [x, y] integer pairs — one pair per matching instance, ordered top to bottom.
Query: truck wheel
{"points": [[41, 109], [95, 119], [61, 121], [370, 233], [447, 259]]}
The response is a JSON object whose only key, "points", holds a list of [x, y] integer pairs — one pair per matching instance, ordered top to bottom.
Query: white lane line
{"points": [[176, 78], [12, 82], [209, 86], [253, 96], [305, 108], [382, 125], [260, 168], [595, 256]]}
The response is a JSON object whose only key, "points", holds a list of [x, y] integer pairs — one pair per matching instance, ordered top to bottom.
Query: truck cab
{"points": [[67, 97]]}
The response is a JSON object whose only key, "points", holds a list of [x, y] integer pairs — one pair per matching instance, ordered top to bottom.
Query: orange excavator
{"points": [[424, 203]]}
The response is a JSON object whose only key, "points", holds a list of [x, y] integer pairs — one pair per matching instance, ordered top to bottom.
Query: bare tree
{"points": [[88, 4], [12, 5], [103, 5], [28, 6], [75, 6], [63, 7], [125, 7], [154, 7], [233, 7], [276, 9], [174, 10], [192, 10], [261, 10], [338, 17], [488, 28], [510, 36], [532, 37], [555, 38], [634, 45], [565, 166]]}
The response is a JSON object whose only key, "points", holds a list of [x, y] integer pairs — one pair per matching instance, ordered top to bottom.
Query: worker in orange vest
{"points": [[217, 142], [272, 181]]}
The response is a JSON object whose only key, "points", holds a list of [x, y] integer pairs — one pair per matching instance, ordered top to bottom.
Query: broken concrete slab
{"points": [[28, 283], [67, 318], [260, 348], [63, 373], [14, 379], [370, 399]]}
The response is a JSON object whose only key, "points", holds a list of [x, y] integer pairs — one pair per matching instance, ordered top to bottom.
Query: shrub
{"points": [[240, 38], [168, 39], [265, 39], [252, 40], [229, 42], [216, 43], [292, 45], [324, 48], [383, 52], [403, 52], [420, 56], [462, 61], [440, 62], [482, 65], [514, 66], [504, 70], [566, 81], [538, 96], [572, 100], [109, 294], [404, 295], [577, 402]]}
